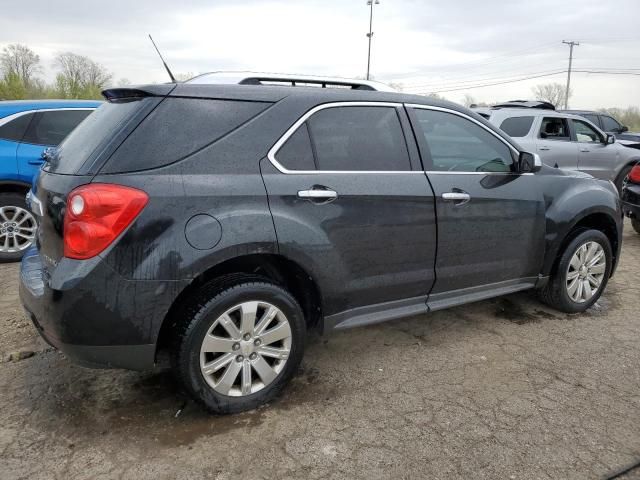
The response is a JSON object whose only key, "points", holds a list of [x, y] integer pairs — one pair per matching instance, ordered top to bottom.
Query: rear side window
{"points": [[592, 118], [517, 126], [51, 127], [98, 128], [177, 128], [553, 128], [15, 129], [359, 139], [296, 153]]}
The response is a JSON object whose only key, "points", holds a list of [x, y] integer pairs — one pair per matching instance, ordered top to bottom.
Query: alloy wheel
{"points": [[17, 229], [586, 272], [245, 348]]}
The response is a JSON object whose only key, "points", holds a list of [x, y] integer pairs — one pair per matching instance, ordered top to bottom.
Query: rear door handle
{"points": [[544, 149], [318, 194], [459, 198]]}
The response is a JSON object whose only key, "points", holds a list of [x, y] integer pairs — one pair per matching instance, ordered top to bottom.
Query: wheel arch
{"points": [[14, 186], [274, 267]]}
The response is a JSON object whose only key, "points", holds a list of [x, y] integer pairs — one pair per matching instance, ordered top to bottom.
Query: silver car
{"points": [[567, 141]]}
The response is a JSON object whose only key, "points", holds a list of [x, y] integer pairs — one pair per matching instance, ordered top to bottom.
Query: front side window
{"points": [[610, 124], [517, 126], [51, 127], [554, 128], [15, 129], [585, 132], [358, 138], [460, 145]]}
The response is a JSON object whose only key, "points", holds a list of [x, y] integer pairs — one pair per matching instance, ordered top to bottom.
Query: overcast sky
{"points": [[427, 45]]}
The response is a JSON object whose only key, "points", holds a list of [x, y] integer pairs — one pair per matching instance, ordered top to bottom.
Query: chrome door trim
{"points": [[271, 155]]}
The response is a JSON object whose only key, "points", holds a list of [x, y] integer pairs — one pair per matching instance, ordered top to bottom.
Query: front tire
{"points": [[622, 176], [17, 227], [581, 275], [239, 344]]}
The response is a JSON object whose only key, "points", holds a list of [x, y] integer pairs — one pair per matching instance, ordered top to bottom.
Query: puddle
{"points": [[514, 312]]}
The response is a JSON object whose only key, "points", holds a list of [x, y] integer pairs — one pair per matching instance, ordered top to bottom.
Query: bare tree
{"points": [[21, 61], [79, 76], [551, 92], [468, 100]]}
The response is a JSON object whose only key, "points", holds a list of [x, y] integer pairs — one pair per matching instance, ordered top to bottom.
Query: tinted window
{"points": [[592, 118], [610, 124], [517, 126], [99, 127], [50, 128], [177, 128], [14, 129], [555, 129], [585, 133], [359, 138], [458, 144], [296, 153]]}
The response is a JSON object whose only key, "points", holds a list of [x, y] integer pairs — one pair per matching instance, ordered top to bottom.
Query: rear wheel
{"points": [[624, 173], [635, 224], [17, 227], [581, 275], [238, 345]]}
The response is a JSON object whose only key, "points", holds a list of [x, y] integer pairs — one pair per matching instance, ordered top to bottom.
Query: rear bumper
{"points": [[631, 200], [92, 314]]}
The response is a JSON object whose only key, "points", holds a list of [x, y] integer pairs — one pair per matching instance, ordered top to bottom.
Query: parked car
{"points": [[610, 125], [26, 129], [566, 141], [631, 197], [220, 223]]}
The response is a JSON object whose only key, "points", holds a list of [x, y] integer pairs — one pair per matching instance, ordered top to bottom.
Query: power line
{"points": [[499, 83]]}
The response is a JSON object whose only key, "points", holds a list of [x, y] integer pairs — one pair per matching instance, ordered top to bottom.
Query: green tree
{"points": [[21, 61], [79, 76], [12, 87]]}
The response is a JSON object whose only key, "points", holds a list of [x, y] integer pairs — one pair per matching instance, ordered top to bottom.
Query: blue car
{"points": [[27, 128]]}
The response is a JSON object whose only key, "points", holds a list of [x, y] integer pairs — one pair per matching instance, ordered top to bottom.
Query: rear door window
{"points": [[592, 118], [517, 126], [51, 127], [555, 128], [15, 129], [359, 138]]}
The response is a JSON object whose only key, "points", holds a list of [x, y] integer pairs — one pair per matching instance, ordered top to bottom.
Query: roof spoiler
{"points": [[132, 93]]}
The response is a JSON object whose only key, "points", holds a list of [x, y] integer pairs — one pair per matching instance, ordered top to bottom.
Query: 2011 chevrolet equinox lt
{"points": [[222, 223]]}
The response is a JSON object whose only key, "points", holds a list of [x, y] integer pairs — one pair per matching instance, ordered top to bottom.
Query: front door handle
{"points": [[544, 149], [585, 150], [322, 194], [459, 198]]}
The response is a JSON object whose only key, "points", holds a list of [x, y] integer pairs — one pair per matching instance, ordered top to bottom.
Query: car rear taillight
{"points": [[634, 174], [96, 214]]}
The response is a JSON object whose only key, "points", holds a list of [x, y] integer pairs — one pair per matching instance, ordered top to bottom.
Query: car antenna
{"points": [[173, 79]]}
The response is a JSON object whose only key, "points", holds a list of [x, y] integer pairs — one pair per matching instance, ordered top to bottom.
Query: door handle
{"points": [[544, 149], [585, 150], [36, 162], [318, 194], [459, 197]]}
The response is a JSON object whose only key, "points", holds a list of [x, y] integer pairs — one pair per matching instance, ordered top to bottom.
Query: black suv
{"points": [[610, 125], [220, 224]]}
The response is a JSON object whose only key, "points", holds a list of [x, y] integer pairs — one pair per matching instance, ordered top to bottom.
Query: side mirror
{"points": [[623, 129], [609, 139], [529, 162]]}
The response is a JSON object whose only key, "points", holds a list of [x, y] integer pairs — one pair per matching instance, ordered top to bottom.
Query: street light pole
{"points": [[370, 34], [566, 93]]}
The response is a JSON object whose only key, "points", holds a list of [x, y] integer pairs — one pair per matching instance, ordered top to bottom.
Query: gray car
{"points": [[567, 141]]}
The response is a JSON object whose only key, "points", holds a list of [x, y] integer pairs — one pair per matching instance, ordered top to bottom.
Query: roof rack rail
{"points": [[285, 79], [525, 104]]}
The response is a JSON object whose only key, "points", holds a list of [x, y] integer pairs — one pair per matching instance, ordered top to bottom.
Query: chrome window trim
{"points": [[13, 116], [272, 152]]}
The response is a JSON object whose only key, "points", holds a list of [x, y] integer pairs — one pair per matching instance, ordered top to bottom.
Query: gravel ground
{"points": [[501, 389]]}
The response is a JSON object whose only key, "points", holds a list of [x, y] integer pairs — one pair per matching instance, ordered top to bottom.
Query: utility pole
{"points": [[370, 34], [566, 93]]}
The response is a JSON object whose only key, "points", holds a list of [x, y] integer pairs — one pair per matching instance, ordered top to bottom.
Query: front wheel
{"points": [[17, 227], [581, 275], [239, 345]]}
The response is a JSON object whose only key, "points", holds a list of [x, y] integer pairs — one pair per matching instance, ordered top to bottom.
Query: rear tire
{"points": [[624, 173], [635, 223], [17, 227], [572, 288], [224, 350]]}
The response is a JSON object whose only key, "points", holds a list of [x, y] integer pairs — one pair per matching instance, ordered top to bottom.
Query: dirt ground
{"points": [[501, 389]]}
